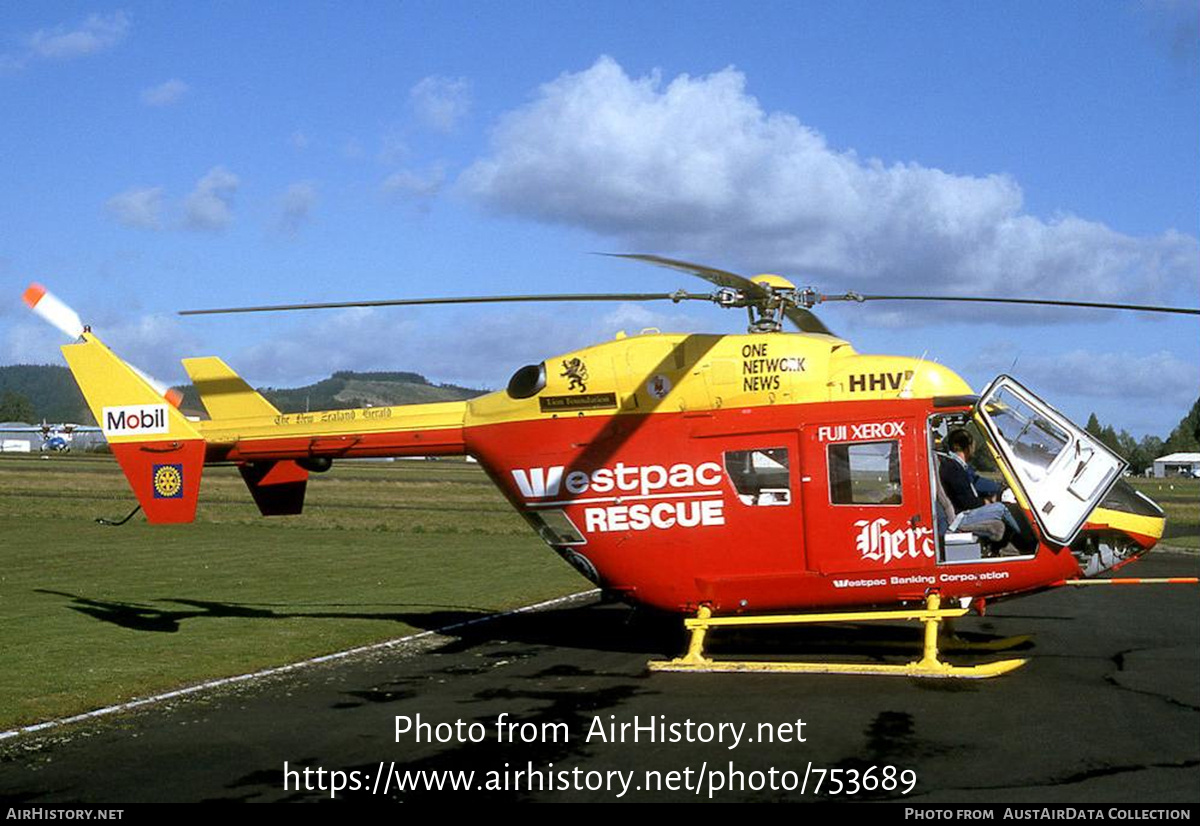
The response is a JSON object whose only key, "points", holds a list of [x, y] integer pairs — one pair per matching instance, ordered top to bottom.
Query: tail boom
{"points": [[407, 430], [163, 453]]}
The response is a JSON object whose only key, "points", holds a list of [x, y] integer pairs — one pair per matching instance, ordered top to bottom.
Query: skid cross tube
{"points": [[932, 615]]}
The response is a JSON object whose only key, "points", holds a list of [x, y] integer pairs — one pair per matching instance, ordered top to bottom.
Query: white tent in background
{"points": [[1177, 464]]}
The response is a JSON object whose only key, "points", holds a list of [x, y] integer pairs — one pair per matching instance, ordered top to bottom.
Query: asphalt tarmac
{"points": [[1106, 711]]}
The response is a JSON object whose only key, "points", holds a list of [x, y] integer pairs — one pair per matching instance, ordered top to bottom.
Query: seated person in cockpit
{"points": [[965, 487], [976, 498]]}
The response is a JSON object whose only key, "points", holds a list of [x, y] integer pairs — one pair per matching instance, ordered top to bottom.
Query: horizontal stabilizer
{"points": [[224, 393]]}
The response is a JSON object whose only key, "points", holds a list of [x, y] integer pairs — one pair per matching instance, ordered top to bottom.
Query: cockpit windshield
{"points": [[1034, 440], [1063, 471]]}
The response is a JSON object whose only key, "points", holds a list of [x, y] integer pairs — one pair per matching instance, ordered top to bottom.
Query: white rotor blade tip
{"points": [[43, 302], [173, 396]]}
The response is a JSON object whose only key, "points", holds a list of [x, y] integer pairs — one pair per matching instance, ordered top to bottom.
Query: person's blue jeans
{"points": [[984, 513]]}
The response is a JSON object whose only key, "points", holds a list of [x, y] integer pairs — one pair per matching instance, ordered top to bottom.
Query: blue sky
{"points": [[161, 156]]}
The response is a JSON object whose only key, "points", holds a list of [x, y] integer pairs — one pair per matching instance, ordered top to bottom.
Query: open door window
{"points": [[1062, 470]]}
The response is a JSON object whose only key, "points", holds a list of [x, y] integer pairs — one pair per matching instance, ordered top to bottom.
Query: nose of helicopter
{"points": [[1125, 525]]}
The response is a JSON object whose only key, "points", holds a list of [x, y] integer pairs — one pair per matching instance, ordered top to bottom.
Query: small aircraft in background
{"points": [[56, 438]]}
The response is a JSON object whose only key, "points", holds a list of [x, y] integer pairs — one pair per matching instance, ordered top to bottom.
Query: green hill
{"points": [[50, 388], [347, 389], [55, 396]]}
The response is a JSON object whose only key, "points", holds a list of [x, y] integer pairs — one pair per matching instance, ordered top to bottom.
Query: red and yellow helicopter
{"points": [[736, 478]]}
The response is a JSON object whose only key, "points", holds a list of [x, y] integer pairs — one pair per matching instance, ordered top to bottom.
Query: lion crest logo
{"points": [[576, 371]]}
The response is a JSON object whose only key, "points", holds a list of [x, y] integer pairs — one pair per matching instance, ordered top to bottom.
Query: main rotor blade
{"points": [[721, 278], [676, 296], [1047, 302], [806, 320]]}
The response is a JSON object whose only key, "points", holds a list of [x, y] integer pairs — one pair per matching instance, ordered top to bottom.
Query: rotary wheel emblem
{"points": [[168, 482]]}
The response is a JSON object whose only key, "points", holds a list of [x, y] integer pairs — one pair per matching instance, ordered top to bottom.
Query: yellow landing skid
{"points": [[949, 644], [928, 666]]}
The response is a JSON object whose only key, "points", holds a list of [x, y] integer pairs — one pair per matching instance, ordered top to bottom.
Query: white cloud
{"points": [[95, 34], [10, 64], [164, 94], [441, 102], [393, 149], [695, 167], [417, 188], [209, 207], [296, 207], [140, 208], [633, 318], [28, 340], [154, 343], [482, 349], [1161, 376]]}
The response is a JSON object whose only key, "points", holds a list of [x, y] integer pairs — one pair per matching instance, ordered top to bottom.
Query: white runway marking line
{"points": [[283, 669]]}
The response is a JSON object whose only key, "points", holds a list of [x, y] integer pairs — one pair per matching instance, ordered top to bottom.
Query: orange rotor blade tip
{"points": [[33, 294], [174, 397]]}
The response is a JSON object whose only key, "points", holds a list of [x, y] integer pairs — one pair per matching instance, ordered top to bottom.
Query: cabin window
{"points": [[865, 473], [760, 476]]}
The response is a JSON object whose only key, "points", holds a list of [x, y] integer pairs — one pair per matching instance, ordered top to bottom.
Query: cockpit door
{"points": [[1062, 469]]}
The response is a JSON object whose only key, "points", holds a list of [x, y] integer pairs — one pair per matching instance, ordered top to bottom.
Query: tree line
{"points": [[1185, 438]]}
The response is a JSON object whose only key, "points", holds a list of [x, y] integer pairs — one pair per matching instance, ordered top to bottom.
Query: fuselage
{"points": [[758, 472]]}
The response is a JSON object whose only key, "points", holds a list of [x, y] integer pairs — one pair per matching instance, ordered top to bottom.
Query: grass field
{"points": [[1180, 498], [93, 615]]}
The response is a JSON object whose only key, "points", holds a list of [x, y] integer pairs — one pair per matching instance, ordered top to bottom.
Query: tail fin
{"points": [[160, 452], [278, 487]]}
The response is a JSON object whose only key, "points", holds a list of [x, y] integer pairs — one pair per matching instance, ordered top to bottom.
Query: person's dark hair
{"points": [[960, 441]]}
